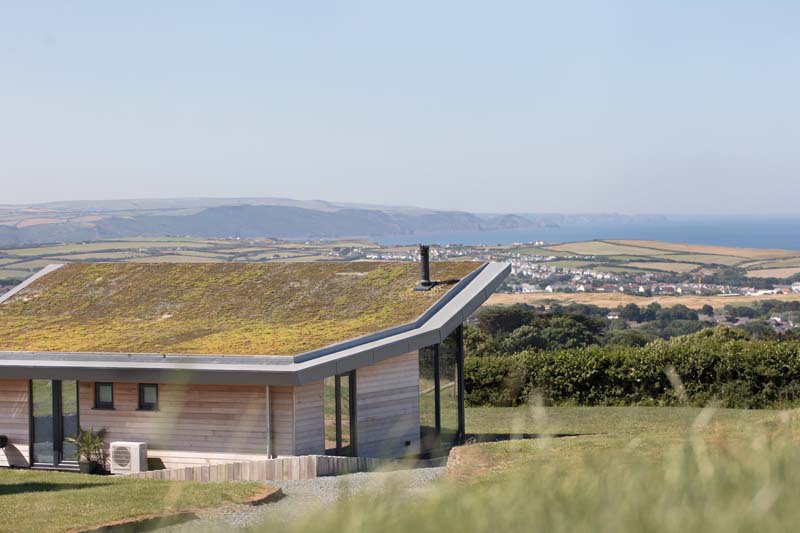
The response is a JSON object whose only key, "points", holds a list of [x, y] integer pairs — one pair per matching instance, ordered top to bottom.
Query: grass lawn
{"points": [[582, 434], [621, 470], [57, 501]]}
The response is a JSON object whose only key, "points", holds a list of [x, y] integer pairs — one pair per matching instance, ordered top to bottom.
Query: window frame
{"points": [[104, 406], [143, 406], [351, 449]]}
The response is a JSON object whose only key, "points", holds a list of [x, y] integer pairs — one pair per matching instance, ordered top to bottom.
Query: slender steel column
{"points": [[437, 394], [338, 400], [353, 415], [462, 429]]}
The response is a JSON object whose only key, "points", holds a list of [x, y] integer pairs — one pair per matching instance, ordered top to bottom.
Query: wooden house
{"points": [[224, 362]]}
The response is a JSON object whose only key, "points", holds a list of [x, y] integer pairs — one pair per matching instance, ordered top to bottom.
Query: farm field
{"points": [[605, 248], [750, 253], [655, 256], [620, 257], [18, 263], [665, 266], [773, 272], [613, 299]]}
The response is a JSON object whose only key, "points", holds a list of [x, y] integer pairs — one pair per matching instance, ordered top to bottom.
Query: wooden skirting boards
{"points": [[280, 469]]}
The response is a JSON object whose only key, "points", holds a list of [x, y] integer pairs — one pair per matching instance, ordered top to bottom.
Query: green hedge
{"points": [[715, 365]]}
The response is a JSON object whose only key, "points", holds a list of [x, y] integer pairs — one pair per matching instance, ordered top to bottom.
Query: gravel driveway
{"points": [[300, 496]]}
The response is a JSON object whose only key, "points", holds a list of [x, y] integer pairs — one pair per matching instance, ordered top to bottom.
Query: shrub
{"points": [[716, 365], [493, 380]]}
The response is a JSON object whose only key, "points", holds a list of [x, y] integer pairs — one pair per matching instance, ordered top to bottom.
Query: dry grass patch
{"points": [[110, 246], [603, 248], [749, 253], [97, 256], [174, 258], [707, 259], [778, 263], [665, 266], [773, 272], [614, 299]]}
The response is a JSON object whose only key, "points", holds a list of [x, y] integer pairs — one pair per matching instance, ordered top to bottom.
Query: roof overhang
{"points": [[431, 328]]}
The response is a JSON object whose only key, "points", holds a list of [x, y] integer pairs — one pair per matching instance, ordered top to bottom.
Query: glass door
{"points": [[54, 413], [340, 415], [69, 421], [43, 449]]}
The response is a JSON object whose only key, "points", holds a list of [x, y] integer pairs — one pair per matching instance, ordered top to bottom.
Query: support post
{"points": [[337, 392], [437, 394], [353, 414], [268, 424], [462, 432]]}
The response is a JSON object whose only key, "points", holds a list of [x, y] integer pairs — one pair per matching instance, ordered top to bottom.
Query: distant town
{"points": [[637, 268], [542, 273]]}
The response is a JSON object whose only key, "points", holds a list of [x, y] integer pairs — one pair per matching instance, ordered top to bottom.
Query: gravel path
{"points": [[300, 496]]}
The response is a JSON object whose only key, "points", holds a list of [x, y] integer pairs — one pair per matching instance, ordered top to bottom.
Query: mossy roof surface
{"points": [[216, 308]]}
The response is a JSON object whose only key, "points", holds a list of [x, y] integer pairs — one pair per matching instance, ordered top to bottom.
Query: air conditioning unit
{"points": [[128, 457]]}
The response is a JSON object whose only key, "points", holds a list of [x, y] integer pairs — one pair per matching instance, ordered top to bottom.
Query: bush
{"points": [[551, 332], [715, 365], [494, 380]]}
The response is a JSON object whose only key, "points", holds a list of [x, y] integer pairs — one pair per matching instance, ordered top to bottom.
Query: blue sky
{"points": [[628, 106]]}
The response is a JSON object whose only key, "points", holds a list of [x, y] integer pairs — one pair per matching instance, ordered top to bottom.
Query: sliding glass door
{"points": [[54, 418]]}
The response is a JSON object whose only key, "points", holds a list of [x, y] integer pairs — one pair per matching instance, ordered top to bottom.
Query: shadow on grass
{"points": [[499, 437], [22, 488], [138, 525]]}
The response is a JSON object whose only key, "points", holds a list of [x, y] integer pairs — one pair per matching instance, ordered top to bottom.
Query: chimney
{"points": [[425, 282]]}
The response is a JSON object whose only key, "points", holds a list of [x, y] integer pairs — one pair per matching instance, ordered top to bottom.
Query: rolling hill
{"points": [[208, 218]]}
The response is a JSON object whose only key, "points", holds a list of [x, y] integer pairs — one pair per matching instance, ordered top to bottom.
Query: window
{"points": [[441, 387], [103, 395], [148, 397], [339, 408]]}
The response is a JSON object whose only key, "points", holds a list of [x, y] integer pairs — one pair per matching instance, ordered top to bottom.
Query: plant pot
{"points": [[87, 467]]}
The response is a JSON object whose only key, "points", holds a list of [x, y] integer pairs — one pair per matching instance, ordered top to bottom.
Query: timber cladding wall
{"points": [[388, 407], [297, 420], [14, 422], [194, 424]]}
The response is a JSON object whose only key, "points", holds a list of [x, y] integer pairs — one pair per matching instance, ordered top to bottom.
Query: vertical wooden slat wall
{"points": [[388, 407], [297, 420], [14, 422], [194, 424]]}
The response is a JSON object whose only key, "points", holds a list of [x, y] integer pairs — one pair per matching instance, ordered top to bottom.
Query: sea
{"points": [[737, 231]]}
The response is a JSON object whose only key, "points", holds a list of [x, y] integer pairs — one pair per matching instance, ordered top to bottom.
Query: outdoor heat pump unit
{"points": [[128, 457]]}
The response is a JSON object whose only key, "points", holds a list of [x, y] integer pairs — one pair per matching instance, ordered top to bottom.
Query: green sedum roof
{"points": [[216, 308]]}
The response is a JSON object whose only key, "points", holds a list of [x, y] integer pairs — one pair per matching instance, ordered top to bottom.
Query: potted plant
{"points": [[90, 450]]}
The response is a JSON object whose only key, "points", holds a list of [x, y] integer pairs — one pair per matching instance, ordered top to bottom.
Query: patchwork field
{"points": [[750, 253], [654, 256], [629, 257], [19, 263], [665, 266], [773, 272], [612, 300]]}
